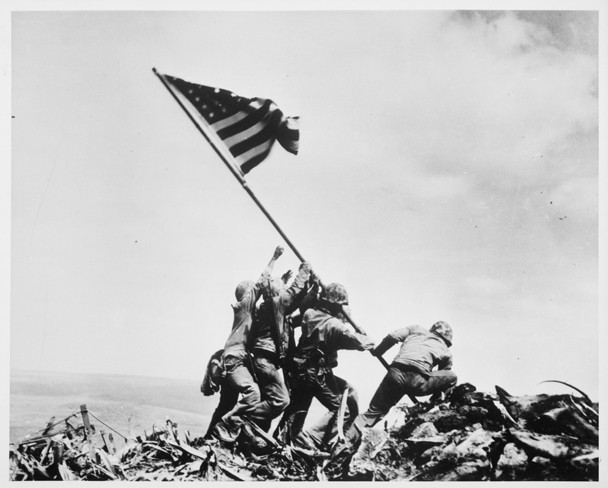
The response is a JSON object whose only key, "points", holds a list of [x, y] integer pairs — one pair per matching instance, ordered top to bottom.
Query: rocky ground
{"points": [[469, 435]]}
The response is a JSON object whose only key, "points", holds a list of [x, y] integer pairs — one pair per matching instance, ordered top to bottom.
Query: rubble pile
{"points": [[468, 435], [472, 435], [163, 455]]}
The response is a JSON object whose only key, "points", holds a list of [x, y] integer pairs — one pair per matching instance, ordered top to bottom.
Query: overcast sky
{"points": [[448, 170]]}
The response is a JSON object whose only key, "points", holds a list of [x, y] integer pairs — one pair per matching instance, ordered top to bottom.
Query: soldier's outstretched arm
{"points": [[276, 255], [264, 277], [288, 296], [344, 338], [390, 340]]}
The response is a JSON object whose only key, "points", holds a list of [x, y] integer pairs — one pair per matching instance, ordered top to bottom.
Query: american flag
{"points": [[247, 127]]}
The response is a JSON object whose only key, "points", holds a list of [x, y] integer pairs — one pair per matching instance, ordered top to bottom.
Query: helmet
{"points": [[242, 289], [335, 293], [443, 330]]}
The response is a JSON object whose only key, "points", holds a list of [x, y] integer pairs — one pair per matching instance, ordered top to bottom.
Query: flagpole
{"points": [[232, 169], [243, 183]]}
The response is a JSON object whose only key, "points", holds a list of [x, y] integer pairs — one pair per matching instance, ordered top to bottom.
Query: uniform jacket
{"points": [[244, 310], [269, 329], [327, 334], [421, 349]]}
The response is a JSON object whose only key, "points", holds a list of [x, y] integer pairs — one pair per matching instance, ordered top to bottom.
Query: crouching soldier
{"points": [[323, 334], [270, 338], [411, 372], [238, 379]]}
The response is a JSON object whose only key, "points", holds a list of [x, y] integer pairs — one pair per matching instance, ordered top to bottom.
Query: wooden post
{"points": [[87, 430], [103, 438], [111, 439], [57, 452]]}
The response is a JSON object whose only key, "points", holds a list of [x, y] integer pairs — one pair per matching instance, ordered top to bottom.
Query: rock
{"points": [[457, 394], [553, 414], [447, 420], [567, 420], [424, 430], [469, 436], [422, 438], [479, 439], [372, 440], [551, 446], [432, 453], [512, 463], [452, 467], [585, 467], [541, 468], [475, 470]]}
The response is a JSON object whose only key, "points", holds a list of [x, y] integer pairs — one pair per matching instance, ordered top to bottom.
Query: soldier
{"points": [[323, 334], [270, 339], [236, 357], [411, 372], [214, 382]]}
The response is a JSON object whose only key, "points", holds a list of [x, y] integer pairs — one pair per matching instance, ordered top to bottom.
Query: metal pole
{"points": [[230, 166], [251, 194]]}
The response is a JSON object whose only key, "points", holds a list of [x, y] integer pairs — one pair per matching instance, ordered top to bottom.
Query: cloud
{"points": [[496, 96], [576, 199], [485, 286]]}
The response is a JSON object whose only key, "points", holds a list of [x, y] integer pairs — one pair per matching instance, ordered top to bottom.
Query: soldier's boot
{"points": [[228, 429]]}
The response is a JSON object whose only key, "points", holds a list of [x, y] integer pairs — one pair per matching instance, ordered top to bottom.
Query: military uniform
{"points": [[270, 336], [317, 354], [236, 360], [411, 372], [238, 377]]}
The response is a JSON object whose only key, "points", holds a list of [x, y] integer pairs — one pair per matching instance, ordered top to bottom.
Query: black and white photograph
{"points": [[288, 242]]}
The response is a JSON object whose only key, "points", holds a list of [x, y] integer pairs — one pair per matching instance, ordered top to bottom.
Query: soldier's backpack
{"points": [[214, 374]]}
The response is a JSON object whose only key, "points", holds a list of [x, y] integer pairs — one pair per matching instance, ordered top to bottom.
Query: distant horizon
{"points": [[39, 371], [551, 385], [125, 402]]}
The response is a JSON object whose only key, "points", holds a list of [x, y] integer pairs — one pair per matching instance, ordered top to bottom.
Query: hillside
{"points": [[127, 403], [468, 435]]}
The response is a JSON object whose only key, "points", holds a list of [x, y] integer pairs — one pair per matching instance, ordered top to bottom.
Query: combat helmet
{"points": [[242, 289], [335, 293], [443, 330]]}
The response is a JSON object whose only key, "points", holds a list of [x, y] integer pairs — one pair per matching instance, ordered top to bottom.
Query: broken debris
{"points": [[469, 435]]}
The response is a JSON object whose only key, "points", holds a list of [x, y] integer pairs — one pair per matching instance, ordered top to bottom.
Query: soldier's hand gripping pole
{"points": [[347, 316], [359, 330], [380, 358]]}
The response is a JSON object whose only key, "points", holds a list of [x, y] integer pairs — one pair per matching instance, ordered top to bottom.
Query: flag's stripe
{"points": [[233, 119], [244, 124], [203, 125], [241, 129], [246, 134], [265, 134], [288, 134], [291, 134], [262, 150], [253, 162]]}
